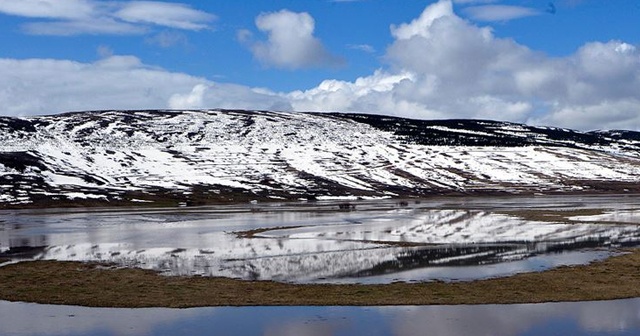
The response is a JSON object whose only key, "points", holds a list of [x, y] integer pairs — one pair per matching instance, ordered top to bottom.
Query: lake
{"points": [[366, 241], [619, 317]]}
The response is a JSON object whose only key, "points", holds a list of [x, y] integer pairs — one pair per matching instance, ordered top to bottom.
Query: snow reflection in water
{"points": [[380, 242], [619, 317]]}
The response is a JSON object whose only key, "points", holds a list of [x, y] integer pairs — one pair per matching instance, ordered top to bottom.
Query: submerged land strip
{"points": [[96, 285]]}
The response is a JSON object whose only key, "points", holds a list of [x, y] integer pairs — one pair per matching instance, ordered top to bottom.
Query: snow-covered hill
{"points": [[213, 156]]}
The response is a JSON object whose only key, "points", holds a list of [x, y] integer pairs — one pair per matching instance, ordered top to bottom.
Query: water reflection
{"points": [[379, 242], [607, 317], [620, 317]]}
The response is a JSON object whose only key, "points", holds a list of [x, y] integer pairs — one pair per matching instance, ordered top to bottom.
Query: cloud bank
{"points": [[76, 17], [438, 66], [442, 66], [44, 86]]}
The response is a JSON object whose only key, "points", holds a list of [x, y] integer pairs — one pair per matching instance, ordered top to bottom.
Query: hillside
{"points": [[221, 156]]}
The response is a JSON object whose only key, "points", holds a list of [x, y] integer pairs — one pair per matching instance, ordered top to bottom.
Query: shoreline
{"points": [[168, 200], [253, 203], [97, 285]]}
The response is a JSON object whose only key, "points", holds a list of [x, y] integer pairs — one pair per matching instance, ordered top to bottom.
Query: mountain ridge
{"points": [[196, 157]]}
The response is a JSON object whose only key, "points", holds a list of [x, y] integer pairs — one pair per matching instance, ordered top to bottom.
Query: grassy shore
{"points": [[94, 285]]}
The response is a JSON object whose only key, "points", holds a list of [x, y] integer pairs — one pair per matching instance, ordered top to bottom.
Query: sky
{"points": [[564, 63]]}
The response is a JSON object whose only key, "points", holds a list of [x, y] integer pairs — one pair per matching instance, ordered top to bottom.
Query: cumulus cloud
{"points": [[74, 17], [420, 26], [290, 42], [442, 66], [45, 86], [367, 94], [193, 99]]}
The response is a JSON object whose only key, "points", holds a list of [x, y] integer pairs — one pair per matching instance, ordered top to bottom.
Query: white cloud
{"points": [[465, 2], [51, 9], [499, 12], [165, 14], [74, 17], [97, 26], [420, 26], [244, 36], [168, 39], [290, 41], [362, 47], [104, 51], [442, 66], [45, 86], [334, 95], [229, 96], [193, 99], [603, 114]]}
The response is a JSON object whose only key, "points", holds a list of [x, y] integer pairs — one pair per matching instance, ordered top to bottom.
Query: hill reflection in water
{"points": [[376, 243]]}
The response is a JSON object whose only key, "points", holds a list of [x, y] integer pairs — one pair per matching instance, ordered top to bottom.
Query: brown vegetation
{"points": [[554, 216], [101, 286]]}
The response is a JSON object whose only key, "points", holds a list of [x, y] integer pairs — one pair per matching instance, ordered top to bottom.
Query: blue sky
{"points": [[571, 63]]}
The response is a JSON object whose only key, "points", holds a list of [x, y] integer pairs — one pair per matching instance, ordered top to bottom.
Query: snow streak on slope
{"points": [[200, 157]]}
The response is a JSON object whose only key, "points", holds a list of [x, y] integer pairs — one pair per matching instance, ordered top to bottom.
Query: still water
{"points": [[365, 242], [620, 317]]}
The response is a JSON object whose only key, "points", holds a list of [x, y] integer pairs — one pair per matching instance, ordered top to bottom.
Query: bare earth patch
{"points": [[256, 232], [73, 283]]}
